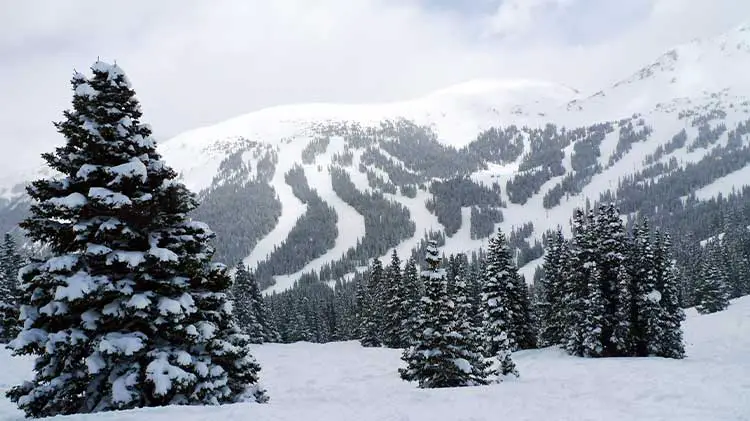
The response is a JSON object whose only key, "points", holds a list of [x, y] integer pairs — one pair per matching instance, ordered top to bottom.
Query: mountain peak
{"points": [[710, 56], [485, 86]]}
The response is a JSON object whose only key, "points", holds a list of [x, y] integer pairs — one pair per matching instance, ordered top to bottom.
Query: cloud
{"points": [[517, 17], [195, 62]]}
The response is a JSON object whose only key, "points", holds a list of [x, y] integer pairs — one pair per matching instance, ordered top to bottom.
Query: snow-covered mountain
{"points": [[303, 188]]}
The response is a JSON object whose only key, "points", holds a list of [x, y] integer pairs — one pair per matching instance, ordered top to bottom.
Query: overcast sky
{"points": [[197, 62]]}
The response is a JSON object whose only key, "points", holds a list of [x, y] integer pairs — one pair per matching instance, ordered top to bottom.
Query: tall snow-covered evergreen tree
{"points": [[736, 262], [10, 263], [614, 280], [475, 283], [552, 289], [711, 291], [644, 296], [505, 297], [579, 299], [412, 303], [244, 305], [396, 305], [361, 307], [129, 311], [372, 319], [267, 330], [499, 333], [467, 335], [667, 336], [440, 355]]}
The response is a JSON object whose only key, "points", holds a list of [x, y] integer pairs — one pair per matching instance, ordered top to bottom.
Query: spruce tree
{"points": [[736, 262], [691, 266], [476, 276], [614, 280], [552, 288], [505, 289], [711, 292], [10, 294], [579, 299], [412, 303], [244, 305], [396, 305], [362, 307], [645, 310], [128, 311], [372, 321], [268, 330], [467, 334], [498, 335], [667, 337], [440, 355]]}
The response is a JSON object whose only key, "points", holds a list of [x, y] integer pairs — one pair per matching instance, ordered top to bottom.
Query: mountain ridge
{"points": [[353, 182]]}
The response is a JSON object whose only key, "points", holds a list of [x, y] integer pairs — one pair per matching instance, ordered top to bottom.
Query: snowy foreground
{"points": [[343, 381]]}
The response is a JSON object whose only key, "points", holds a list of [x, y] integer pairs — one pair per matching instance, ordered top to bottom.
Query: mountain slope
{"points": [[313, 192], [343, 381]]}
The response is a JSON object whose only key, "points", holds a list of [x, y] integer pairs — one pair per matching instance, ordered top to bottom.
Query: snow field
{"points": [[343, 381]]}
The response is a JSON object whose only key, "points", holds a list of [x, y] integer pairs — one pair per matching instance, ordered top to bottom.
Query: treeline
{"points": [[605, 292]]}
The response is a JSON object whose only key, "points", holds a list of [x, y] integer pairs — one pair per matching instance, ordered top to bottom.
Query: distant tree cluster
{"points": [[629, 134], [678, 141], [502, 145], [316, 147], [420, 151], [397, 173], [640, 192], [448, 197], [483, 221], [387, 222], [313, 234]]}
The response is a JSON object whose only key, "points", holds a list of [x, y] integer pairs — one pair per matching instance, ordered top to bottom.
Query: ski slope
{"points": [[344, 382]]}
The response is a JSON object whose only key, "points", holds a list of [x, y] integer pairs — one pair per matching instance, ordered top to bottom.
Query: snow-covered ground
{"points": [[343, 381]]}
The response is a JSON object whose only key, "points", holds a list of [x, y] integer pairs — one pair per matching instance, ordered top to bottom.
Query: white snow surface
{"points": [[344, 381]]}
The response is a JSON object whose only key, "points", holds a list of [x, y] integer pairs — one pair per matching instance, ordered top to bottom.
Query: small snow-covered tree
{"points": [[610, 256], [736, 262], [10, 263], [580, 273], [475, 282], [711, 291], [506, 297], [497, 298], [244, 304], [396, 305], [411, 306], [552, 309], [128, 311], [645, 311], [372, 312], [265, 329], [467, 334], [667, 336], [440, 355]]}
